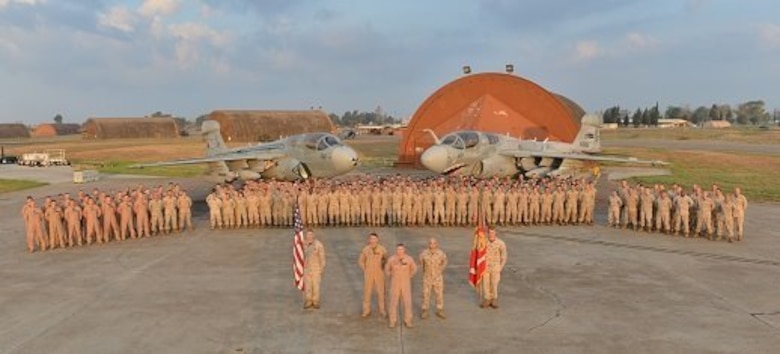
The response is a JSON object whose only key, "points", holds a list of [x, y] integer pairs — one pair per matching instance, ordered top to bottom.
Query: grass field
{"points": [[744, 135], [756, 174], [12, 185]]}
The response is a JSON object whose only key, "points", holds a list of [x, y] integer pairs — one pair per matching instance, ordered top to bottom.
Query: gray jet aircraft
{"points": [[483, 154], [289, 159]]}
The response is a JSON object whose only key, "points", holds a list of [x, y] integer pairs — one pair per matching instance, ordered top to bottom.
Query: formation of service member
{"points": [[403, 201], [696, 213], [100, 217], [495, 260], [372, 261], [433, 261], [314, 265], [400, 268]]}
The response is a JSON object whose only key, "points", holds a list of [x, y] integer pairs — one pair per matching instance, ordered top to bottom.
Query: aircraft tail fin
{"points": [[588, 139], [214, 143]]}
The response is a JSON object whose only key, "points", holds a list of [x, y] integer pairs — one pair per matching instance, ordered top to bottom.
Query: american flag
{"points": [[298, 258]]}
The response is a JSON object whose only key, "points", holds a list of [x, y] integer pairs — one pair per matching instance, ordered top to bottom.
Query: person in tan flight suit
{"points": [[302, 199], [523, 200], [535, 202], [572, 202], [646, 202], [487, 203], [184, 204], [396, 204], [587, 204], [615, 204], [266, 205], [462, 205], [473, 205], [365, 206], [385, 206], [407, 206], [427, 206], [449, 206], [499, 206], [511, 206], [547, 206], [740, 206], [333, 208], [354, 208], [253, 209], [632, 209], [125, 210], [141, 210], [215, 210], [228, 211], [241, 211], [558, 211], [725, 211], [169, 213], [663, 213], [92, 214], [156, 214], [345, 214], [704, 217], [33, 220], [681, 221], [73, 223], [110, 225], [53, 232], [495, 260], [372, 261], [433, 262], [313, 266], [400, 268]]}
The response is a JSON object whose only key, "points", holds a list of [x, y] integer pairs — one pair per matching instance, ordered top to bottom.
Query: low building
{"points": [[674, 123], [716, 124], [259, 126], [130, 128], [53, 129], [13, 131]]}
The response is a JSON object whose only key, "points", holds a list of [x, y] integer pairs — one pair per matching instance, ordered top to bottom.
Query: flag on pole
{"points": [[298, 257], [477, 262]]}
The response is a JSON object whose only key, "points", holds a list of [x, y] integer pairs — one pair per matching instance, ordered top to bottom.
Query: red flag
{"points": [[298, 257], [477, 263]]}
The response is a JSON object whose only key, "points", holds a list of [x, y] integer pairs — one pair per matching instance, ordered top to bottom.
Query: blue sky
{"points": [[87, 58]]}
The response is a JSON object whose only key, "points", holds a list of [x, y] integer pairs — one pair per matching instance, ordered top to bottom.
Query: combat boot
{"points": [[494, 303], [485, 304], [307, 305], [424, 314], [441, 314]]}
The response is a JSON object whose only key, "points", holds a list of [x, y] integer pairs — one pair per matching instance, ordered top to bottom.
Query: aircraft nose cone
{"points": [[344, 159], [435, 159]]}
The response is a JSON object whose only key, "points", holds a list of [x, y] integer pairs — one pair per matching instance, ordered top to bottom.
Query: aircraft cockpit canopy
{"points": [[461, 140], [321, 141]]}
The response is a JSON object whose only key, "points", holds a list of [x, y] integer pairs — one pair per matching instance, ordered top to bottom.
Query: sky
{"points": [[85, 58]]}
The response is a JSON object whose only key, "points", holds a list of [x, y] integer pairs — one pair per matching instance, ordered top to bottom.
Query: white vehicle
{"points": [[51, 157]]}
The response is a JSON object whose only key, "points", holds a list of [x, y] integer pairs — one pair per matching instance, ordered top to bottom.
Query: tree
{"points": [[673, 112], [752, 112], [714, 113], [612, 115], [655, 115], [700, 115], [645, 117], [58, 118], [335, 118], [626, 118], [637, 118], [200, 119]]}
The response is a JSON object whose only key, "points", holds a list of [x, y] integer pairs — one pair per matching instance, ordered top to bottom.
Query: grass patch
{"points": [[121, 167], [756, 174], [12, 185]]}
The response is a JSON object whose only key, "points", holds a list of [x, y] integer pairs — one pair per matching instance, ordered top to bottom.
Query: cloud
{"points": [[4, 3], [151, 8], [118, 17], [769, 35], [639, 41], [587, 50]]}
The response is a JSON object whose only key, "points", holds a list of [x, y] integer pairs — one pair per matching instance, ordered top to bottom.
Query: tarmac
{"points": [[564, 290]]}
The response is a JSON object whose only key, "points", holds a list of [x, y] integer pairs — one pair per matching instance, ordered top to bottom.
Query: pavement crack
{"points": [[560, 306], [758, 317]]}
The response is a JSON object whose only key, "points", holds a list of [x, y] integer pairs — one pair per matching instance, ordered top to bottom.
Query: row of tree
{"points": [[750, 112], [355, 118]]}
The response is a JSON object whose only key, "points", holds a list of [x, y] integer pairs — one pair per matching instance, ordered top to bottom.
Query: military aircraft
{"points": [[483, 154], [297, 157]]}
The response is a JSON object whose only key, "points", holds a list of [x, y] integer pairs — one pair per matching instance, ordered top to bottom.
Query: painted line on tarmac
{"points": [[715, 256]]}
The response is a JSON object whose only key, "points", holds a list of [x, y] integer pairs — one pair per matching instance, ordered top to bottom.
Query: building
{"points": [[495, 102], [674, 123], [716, 124], [258, 126], [130, 128], [53, 129], [13, 131]]}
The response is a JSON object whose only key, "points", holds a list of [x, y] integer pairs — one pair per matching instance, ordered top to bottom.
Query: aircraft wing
{"points": [[578, 156], [226, 157]]}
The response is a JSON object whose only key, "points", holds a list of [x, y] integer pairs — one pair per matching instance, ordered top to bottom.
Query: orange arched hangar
{"points": [[494, 102]]}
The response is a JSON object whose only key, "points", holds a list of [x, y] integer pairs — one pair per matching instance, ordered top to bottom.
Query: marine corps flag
{"points": [[298, 257], [477, 263]]}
